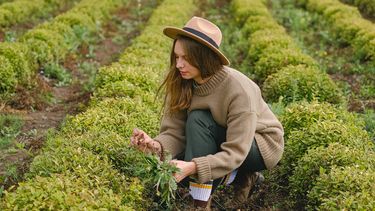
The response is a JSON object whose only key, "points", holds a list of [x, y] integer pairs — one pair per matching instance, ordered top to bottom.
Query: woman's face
{"points": [[187, 70]]}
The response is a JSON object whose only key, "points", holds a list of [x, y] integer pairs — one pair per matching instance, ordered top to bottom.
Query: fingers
{"points": [[142, 141]]}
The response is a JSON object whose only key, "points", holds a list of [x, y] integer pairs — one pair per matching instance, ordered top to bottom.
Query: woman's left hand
{"points": [[186, 169]]}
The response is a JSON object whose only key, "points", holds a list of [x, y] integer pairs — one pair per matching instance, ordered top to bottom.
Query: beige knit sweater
{"points": [[235, 103]]}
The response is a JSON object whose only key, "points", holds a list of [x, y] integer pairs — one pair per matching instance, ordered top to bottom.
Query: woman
{"points": [[215, 121]]}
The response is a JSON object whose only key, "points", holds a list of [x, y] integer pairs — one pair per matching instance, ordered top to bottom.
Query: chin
{"points": [[186, 77]]}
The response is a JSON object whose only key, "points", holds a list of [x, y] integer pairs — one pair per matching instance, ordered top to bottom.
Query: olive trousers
{"points": [[204, 136]]}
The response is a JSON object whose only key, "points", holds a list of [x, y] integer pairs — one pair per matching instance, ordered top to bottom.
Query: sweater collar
{"points": [[207, 87]]}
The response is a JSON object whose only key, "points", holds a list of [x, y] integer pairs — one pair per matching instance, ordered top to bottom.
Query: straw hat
{"points": [[202, 31]]}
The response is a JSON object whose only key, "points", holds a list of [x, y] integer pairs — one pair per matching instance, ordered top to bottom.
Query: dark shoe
{"points": [[244, 185], [203, 205]]}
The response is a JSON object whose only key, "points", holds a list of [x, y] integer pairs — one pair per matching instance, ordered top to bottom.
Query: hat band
{"points": [[201, 35]]}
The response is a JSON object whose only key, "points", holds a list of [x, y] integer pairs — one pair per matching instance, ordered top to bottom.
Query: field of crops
{"points": [[76, 76]]}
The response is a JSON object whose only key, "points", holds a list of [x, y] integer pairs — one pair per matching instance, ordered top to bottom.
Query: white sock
{"points": [[200, 191]]}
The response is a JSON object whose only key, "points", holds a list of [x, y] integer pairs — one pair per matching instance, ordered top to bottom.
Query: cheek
{"points": [[194, 72]]}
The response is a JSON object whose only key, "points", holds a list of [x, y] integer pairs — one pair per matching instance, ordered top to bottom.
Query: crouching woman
{"points": [[215, 124]]}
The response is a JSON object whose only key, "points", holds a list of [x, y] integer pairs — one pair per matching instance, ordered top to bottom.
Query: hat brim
{"points": [[173, 32]]}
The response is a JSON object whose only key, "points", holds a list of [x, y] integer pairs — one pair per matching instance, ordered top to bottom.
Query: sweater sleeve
{"points": [[241, 125], [172, 133]]}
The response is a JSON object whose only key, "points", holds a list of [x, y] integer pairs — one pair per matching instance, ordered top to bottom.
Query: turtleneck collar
{"points": [[210, 85]]}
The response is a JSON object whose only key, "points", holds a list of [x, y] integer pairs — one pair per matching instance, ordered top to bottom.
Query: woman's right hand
{"points": [[143, 142]]}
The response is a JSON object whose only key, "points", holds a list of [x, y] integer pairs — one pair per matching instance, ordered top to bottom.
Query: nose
{"points": [[179, 63]]}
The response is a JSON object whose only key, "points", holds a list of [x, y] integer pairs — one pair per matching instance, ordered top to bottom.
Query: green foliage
{"points": [[365, 6], [244, 9], [19, 11], [77, 19], [257, 23], [347, 24], [67, 32], [263, 40], [51, 41], [47, 46], [18, 56], [273, 60], [89, 69], [55, 71], [8, 77], [295, 83], [119, 115], [300, 115], [368, 117], [10, 127], [100, 134], [321, 134], [63, 155], [322, 159], [131, 162], [345, 188], [64, 191]]}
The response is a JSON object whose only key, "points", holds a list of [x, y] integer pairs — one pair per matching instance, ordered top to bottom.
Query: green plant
{"points": [[347, 24], [10, 36], [19, 57], [274, 60], [89, 69], [58, 72], [8, 76], [299, 82], [302, 114], [368, 117], [10, 126], [322, 133], [322, 159], [12, 172], [343, 188]]}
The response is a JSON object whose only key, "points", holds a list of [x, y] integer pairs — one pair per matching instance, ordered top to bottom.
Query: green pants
{"points": [[204, 136]]}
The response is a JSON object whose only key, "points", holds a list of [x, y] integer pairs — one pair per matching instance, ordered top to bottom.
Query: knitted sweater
{"points": [[235, 103]]}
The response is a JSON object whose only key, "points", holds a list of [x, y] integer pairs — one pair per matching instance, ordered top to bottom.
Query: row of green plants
{"points": [[367, 7], [19, 11], [347, 25], [311, 32], [50, 42], [278, 63], [321, 138], [90, 163], [320, 174]]}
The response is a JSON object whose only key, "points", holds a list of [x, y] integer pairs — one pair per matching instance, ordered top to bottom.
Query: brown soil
{"points": [[355, 104], [40, 116]]}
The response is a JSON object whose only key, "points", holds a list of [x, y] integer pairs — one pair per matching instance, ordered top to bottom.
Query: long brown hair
{"points": [[179, 91]]}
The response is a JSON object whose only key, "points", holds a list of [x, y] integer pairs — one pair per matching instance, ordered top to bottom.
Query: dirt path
{"points": [[67, 100]]}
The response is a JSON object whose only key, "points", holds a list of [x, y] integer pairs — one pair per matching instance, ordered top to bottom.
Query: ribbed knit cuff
{"points": [[169, 147], [271, 153], [161, 154], [203, 169]]}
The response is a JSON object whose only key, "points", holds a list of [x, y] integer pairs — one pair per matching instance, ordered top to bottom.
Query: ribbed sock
{"points": [[200, 191]]}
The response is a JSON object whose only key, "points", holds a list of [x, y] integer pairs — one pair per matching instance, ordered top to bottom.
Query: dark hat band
{"points": [[201, 35]]}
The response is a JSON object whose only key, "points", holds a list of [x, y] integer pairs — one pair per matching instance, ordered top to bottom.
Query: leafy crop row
{"points": [[365, 6], [19, 11], [347, 25], [51, 41], [276, 60], [317, 133], [334, 137], [90, 163]]}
